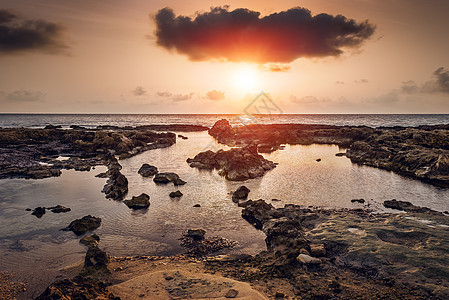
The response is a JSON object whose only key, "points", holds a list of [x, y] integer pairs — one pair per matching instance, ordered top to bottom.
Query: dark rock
{"points": [[53, 127], [221, 129], [182, 137], [267, 148], [340, 154], [318, 159], [236, 164], [147, 170], [165, 177], [179, 181], [116, 186], [175, 194], [240, 194], [358, 200], [138, 202], [197, 205], [409, 207], [59, 209], [39, 212], [257, 212], [81, 226], [196, 234], [90, 240], [199, 246], [317, 250], [96, 258], [79, 287], [231, 293]]}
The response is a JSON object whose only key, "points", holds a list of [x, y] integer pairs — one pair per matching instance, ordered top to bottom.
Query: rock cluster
{"points": [[420, 152], [236, 164], [167, 177], [116, 186], [240, 194], [40, 211], [197, 245]]}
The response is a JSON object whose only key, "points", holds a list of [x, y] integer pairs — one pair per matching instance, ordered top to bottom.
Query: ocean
{"points": [[93, 120]]}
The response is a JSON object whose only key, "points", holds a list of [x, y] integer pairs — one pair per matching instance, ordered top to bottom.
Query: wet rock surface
{"points": [[420, 152], [33, 153], [236, 164], [147, 170], [167, 177], [116, 186], [176, 194], [240, 194], [138, 202], [83, 225], [198, 245], [390, 255], [79, 287]]}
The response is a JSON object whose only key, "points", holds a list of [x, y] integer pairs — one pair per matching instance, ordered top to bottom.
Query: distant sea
{"points": [[93, 120]]}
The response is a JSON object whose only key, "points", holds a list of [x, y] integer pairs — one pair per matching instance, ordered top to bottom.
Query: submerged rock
{"points": [[236, 164], [147, 170], [168, 177], [240, 194], [358, 200], [138, 202], [81, 226], [90, 240]]}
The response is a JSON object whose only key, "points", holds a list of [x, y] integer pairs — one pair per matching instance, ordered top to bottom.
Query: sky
{"points": [[311, 56]]}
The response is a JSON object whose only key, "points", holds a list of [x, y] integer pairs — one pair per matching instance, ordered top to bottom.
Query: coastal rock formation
{"points": [[420, 152], [33, 153], [236, 164], [147, 170], [116, 186], [240, 194], [138, 202], [408, 207], [59, 209], [38, 212], [81, 226], [197, 245], [375, 248], [79, 287]]}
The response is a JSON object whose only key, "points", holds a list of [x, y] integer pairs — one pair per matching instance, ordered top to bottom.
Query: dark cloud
{"points": [[243, 35], [18, 36], [275, 67], [439, 84], [139, 91], [215, 95], [22, 96]]}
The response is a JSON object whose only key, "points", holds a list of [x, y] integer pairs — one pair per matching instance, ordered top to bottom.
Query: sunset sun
{"points": [[246, 79]]}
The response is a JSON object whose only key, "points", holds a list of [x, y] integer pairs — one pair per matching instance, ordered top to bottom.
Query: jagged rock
{"points": [[236, 164], [147, 170], [168, 177], [116, 186], [175, 194], [240, 194], [138, 202], [409, 207], [59, 209], [39, 212], [257, 212], [81, 226], [196, 234], [90, 240], [317, 250], [95, 257], [307, 259], [78, 287]]}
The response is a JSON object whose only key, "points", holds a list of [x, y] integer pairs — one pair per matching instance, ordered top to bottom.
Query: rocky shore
{"points": [[420, 152], [41, 153]]}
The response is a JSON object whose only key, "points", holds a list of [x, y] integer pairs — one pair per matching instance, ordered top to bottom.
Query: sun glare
{"points": [[246, 79]]}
